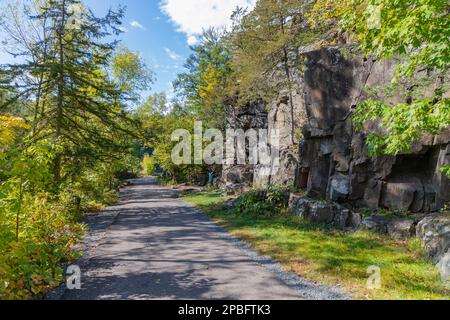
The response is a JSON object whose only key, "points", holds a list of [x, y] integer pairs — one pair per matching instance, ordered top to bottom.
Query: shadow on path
{"points": [[159, 247]]}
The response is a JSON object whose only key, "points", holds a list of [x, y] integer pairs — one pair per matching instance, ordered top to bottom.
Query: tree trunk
{"points": [[60, 103], [36, 106], [19, 209]]}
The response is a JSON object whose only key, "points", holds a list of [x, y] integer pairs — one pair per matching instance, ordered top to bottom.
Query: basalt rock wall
{"points": [[320, 151]]}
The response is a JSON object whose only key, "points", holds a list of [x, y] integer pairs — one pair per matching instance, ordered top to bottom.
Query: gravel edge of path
{"points": [[97, 226]]}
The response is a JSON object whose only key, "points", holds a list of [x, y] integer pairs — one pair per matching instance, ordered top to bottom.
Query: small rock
{"points": [[234, 188], [231, 203], [342, 218], [355, 220], [375, 223]]}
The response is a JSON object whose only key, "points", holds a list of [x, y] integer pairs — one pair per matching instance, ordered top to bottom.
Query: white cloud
{"points": [[193, 16], [137, 24], [192, 40], [172, 55]]}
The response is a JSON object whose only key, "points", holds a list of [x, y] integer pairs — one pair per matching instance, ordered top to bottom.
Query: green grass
{"points": [[331, 256]]}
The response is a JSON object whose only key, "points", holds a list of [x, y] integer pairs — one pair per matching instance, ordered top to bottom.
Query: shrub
{"points": [[148, 166], [263, 202], [34, 263]]}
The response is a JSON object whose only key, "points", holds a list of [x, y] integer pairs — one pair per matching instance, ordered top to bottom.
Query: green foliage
{"points": [[416, 33], [264, 44], [131, 73], [204, 85], [158, 124], [401, 124], [70, 142], [148, 165], [446, 170], [263, 202], [31, 266]]}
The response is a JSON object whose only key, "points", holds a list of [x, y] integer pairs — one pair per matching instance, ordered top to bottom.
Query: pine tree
{"points": [[76, 102]]}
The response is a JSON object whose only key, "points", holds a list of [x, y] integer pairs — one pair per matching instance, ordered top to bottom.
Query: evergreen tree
{"points": [[204, 85], [77, 103]]}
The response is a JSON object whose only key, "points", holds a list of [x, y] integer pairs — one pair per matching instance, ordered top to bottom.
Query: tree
{"points": [[416, 33], [23, 34], [265, 46], [130, 73], [203, 87], [79, 103], [159, 120], [8, 129], [66, 133]]}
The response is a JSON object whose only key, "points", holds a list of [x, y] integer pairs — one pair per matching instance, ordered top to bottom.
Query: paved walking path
{"points": [[159, 247]]}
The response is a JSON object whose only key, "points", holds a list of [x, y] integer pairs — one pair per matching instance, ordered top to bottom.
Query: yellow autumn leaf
{"points": [[8, 128]]}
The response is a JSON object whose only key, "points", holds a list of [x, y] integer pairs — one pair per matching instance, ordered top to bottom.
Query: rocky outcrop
{"points": [[321, 152], [336, 156], [239, 177], [323, 212], [344, 218]]}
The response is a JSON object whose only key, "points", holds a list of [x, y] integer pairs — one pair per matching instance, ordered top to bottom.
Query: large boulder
{"points": [[339, 188], [408, 195], [299, 205], [311, 210], [322, 213], [325, 213], [342, 218], [434, 231]]}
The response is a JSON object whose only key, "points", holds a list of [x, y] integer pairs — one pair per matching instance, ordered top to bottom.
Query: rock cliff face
{"points": [[253, 116], [321, 152]]}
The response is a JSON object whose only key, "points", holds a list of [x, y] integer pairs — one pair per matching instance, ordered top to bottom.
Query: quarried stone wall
{"points": [[320, 151], [336, 156]]}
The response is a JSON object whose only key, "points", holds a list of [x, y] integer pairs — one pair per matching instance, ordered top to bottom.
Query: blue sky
{"points": [[162, 30], [150, 32]]}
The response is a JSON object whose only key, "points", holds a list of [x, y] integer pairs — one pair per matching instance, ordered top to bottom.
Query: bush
{"points": [[148, 166], [263, 202], [34, 263]]}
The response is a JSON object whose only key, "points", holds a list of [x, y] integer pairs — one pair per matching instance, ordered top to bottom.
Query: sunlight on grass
{"points": [[332, 256]]}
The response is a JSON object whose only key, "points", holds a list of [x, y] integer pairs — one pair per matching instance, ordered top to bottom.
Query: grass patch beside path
{"points": [[331, 256]]}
